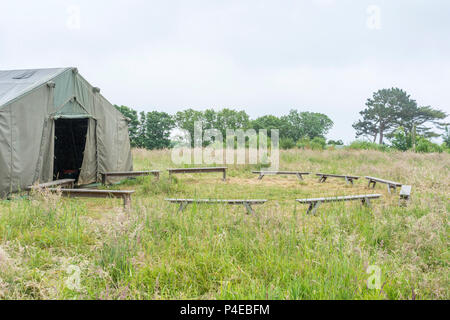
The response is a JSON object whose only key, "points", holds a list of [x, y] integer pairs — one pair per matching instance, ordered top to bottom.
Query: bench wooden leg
{"points": [[156, 175], [224, 175], [260, 176], [299, 176], [103, 179], [322, 179], [349, 180], [373, 183], [390, 186], [403, 201], [127, 202], [366, 202], [182, 206], [313, 207], [249, 208]]}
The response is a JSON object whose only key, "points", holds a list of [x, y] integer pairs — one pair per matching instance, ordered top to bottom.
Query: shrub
{"points": [[401, 140], [335, 142], [287, 143], [303, 143], [318, 143], [365, 145], [426, 146]]}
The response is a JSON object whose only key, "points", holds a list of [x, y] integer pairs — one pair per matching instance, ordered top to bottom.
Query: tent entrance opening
{"points": [[70, 141]]}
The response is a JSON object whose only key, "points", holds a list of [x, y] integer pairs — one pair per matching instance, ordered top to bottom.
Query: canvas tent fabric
{"points": [[31, 103]]}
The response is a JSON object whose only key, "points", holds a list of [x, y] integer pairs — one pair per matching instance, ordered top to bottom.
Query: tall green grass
{"points": [[220, 252]]}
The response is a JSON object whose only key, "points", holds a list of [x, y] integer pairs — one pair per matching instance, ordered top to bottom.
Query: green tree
{"points": [[389, 109], [382, 113], [412, 116], [231, 119], [186, 120], [220, 120], [268, 122], [297, 125], [158, 126], [366, 128], [142, 131], [446, 137], [401, 140], [335, 142]]}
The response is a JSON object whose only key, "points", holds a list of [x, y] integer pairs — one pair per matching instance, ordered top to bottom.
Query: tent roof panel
{"points": [[14, 83]]}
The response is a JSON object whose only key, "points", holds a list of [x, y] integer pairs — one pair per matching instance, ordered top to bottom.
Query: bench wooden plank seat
{"points": [[199, 170], [268, 173], [105, 175], [348, 178], [56, 183], [390, 184], [94, 193], [405, 195], [246, 203], [314, 203]]}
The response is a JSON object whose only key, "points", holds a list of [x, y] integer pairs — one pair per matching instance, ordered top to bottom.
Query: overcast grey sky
{"points": [[265, 57]]}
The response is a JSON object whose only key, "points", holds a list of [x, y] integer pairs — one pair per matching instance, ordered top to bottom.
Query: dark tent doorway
{"points": [[70, 142]]}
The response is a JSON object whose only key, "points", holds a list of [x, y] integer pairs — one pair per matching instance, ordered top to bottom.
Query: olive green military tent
{"points": [[54, 125]]}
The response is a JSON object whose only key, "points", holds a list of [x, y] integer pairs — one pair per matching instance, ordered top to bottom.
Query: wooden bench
{"points": [[200, 170], [268, 173], [105, 175], [323, 177], [69, 183], [390, 184], [91, 193], [405, 195], [316, 202], [247, 203]]}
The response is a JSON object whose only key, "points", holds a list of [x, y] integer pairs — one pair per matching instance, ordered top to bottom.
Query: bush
{"points": [[401, 140], [335, 142], [287, 143], [303, 143], [318, 143], [365, 145], [426, 146]]}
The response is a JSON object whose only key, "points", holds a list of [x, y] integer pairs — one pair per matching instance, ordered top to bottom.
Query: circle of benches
{"points": [[314, 203]]}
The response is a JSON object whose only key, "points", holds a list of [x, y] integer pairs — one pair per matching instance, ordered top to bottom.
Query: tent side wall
{"points": [[24, 138], [5, 151]]}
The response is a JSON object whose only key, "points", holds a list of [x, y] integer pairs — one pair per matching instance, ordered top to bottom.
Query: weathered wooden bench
{"points": [[200, 170], [269, 173], [105, 175], [323, 177], [69, 183], [390, 184], [91, 193], [405, 195], [316, 202], [247, 203]]}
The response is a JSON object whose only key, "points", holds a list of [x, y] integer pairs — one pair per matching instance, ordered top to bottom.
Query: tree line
{"points": [[389, 115], [152, 130]]}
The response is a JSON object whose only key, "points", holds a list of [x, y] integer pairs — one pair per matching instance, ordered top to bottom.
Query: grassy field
{"points": [[220, 252]]}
